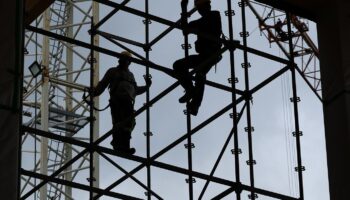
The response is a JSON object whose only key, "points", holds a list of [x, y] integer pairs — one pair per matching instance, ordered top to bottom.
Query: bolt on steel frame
{"points": [[60, 173]]}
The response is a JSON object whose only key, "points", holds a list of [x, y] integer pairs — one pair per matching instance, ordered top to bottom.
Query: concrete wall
{"points": [[334, 42], [10, 67]]}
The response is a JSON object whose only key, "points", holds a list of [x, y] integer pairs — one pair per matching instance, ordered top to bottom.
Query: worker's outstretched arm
{"points": [[187, 28], [102, 85], [142, 89]]}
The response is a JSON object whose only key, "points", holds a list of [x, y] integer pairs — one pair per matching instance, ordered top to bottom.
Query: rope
{"points": [[85, 98], [287, 117]]}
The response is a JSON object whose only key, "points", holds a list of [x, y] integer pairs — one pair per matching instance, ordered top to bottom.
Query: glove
{"points": [[184, 4], [148, 81], [90, 91], [87, 95]]}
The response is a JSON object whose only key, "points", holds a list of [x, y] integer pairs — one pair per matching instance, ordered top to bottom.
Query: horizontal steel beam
{"points": [[138, 13], [109, 15], [175, 25], [114, 37], [98, 49], [142, 62], [67, 83], [137, 113], [154, 163], [130, 176], [75, 185]]}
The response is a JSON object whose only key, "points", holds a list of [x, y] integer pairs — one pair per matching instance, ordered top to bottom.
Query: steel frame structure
{"points": [[54, 102], [92, 150]]}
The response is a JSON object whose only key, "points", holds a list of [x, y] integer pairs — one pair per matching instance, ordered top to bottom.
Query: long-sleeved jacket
{"points": [[208, 29], [121, 83]]}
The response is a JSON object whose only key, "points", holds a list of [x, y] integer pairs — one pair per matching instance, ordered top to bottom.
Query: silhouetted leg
{"points": [[181, 69], [200, 79], [198, 93], [115, 118], [125, 122], [126, 126], [123, 143]]}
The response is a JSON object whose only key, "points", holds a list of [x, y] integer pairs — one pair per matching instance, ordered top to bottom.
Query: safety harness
{"points": [[89, 102]]}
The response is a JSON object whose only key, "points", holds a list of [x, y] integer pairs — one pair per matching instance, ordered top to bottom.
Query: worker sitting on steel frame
{"points": [[278, 26], [208, 30], [123, 90]]}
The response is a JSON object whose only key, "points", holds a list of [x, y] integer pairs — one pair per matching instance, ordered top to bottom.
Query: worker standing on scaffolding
{"points": [[208, 44], [123, 90]]}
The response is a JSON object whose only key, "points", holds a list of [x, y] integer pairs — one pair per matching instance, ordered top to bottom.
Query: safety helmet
{"points": [[199, 2], [126, 53]]}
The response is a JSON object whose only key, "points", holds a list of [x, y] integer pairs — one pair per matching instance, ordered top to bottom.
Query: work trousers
{"points": [[201, 63], [122, 111]]}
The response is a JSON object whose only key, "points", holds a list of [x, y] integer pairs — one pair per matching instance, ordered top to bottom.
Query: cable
{"points": [[89, 102]]}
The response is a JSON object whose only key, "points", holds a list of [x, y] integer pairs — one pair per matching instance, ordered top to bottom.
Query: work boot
{"points": [[186, 97], [192, 109], [113, 144], [123, 146], [123, 150]]}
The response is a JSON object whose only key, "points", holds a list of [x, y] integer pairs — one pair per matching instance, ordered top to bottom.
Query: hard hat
{"points": [[199, 2], [126, 53]]}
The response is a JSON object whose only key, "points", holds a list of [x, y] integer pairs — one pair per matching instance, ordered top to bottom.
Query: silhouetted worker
{"points": [[278, 27], [208, 45], [123, 90]]}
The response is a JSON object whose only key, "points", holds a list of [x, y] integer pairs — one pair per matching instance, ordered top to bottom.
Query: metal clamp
{"points": [[242, 3], [230, 13], [148, 21], [244, 34], [183, 46], [147, 48], [89, 60], [246, 65], [149, 76], [230, 80], [296, 98], [186, 112], [27, 113], [231, 115], [246, 129], [148, 133], [300, 133], [192, 146], [236, 152], [251, 162], [300, 169], [89, 180], [193, 180], [255, 196]]}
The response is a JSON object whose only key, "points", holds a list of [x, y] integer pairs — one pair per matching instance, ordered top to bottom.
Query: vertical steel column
{"points": [[19, 68], [96, 74], [68, 99], [295, 100], [45, 102], [36, 108], [188, 118], [148, 127], [249, 128], [236, 149], [91, 152]]}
